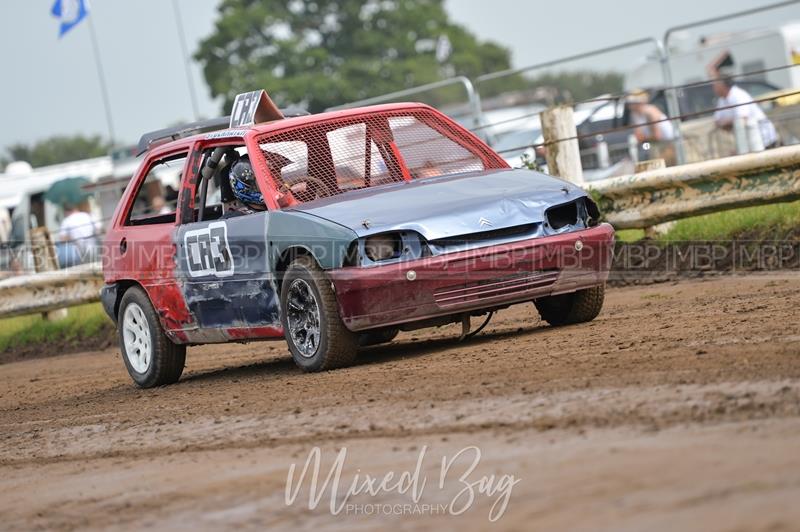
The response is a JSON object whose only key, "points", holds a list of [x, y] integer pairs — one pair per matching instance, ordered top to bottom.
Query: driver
{"points": [[244, 187]]}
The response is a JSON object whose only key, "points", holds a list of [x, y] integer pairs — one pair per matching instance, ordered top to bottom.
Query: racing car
{"points": [[335, 231]]}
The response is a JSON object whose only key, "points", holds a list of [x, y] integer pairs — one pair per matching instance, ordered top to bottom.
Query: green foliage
{"points": [[323, 53], [580, 85], [555, 87], [58, 149], [529, 161], [602, 202], [630, 235], [83, 322]]}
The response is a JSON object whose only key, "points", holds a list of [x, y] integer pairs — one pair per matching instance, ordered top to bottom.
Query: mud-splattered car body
{"points": [[413, 220]]}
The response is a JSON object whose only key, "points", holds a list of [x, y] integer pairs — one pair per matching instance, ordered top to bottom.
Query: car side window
{"points": [[214, 194], [157, 197], [213, 199]]}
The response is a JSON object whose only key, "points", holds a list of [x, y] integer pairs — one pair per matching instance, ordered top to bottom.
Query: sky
{"points": [[50, 85]]}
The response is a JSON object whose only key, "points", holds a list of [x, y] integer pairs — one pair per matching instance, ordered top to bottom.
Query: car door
{"points": [[140, 246], [222, 260]]}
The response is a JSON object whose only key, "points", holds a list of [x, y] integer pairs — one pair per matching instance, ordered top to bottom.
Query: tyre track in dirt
{"points": [[645, 338], [663, 358]]}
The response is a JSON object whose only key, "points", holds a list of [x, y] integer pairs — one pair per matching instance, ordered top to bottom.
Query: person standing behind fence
{"points": [[734, 103], [651, 125], [5, 225], [77, 237]]}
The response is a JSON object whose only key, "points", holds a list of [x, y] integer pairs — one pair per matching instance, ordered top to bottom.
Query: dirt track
{"points": [[678, 408]]}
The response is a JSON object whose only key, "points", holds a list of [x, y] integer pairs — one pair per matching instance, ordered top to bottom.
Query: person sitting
{"points": [[652, 126], [429, 169], [158, 205]]}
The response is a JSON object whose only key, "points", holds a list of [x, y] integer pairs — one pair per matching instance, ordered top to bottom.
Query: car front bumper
{"points": [[473, 280]]}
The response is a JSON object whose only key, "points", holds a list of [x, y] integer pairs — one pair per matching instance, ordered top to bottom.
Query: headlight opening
{"points": [[383, 247]]}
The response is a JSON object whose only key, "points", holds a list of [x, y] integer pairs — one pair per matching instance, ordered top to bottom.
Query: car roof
{"points": [[286, 123]]}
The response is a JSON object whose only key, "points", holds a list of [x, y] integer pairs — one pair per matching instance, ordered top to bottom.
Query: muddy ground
{"points": [[678, 408]]}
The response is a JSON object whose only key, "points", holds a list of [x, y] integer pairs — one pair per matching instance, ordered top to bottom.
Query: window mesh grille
{"points": [[337, 156]]}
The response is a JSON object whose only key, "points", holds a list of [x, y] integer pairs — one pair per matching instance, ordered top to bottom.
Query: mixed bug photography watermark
{"points": [[453, 488]]}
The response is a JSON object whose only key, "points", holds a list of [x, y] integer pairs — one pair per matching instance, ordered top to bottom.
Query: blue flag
{"points": [[70, 13]]}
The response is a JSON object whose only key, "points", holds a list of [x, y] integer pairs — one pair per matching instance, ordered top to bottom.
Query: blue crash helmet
{"points": [[243, 179], [243, 184]]}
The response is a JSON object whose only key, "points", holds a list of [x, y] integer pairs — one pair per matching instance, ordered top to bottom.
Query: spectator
{"points": [[735, 103], [652, 126], [429, 169], [159, 206], [5, 225], [76, 235]]}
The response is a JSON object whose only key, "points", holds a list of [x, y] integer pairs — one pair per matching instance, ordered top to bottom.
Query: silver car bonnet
{"points": [[448, 206]]}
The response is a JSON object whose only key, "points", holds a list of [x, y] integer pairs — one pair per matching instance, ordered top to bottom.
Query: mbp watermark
{"points": [[455, 474]]}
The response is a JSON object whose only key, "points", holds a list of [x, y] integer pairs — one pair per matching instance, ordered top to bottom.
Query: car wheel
{"points": [[577, 307], [312, 326], [382, 336], [150, 357]]}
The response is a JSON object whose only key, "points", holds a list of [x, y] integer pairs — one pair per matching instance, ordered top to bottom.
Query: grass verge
{"points": [[765, 221], [752, 222], [83, 322]]}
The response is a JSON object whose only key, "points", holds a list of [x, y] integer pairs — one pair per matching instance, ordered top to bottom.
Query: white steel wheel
{"points": [[136, 338], [149, 356]]}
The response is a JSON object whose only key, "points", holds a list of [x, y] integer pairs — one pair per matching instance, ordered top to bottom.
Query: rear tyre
{"points": [[577, 307], [314, 330], [382, 336], [150, 357]]}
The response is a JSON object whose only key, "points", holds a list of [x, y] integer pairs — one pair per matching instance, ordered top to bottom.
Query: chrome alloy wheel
{"points": [[303, 319], [136, 337]]}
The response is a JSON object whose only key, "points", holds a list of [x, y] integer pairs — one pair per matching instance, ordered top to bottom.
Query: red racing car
{"points": [[335, 231]]}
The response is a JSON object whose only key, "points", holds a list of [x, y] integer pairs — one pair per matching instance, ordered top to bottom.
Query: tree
{"points": [[322, 53], [580, 85], [568, 86], [58, 149]]}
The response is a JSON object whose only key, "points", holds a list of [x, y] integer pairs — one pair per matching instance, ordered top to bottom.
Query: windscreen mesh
{"points": [[337, 156]]}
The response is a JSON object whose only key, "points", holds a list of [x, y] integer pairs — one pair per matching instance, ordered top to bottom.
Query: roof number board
{"points": [[250, 108]]}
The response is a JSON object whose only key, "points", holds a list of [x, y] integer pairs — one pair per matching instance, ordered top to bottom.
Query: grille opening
{"points": [[563, 215], [496, 234], [520, 283]]}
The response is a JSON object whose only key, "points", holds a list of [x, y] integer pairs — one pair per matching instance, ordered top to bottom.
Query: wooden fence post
{"points": [[563, 156], [654, 231], [46, 260]]}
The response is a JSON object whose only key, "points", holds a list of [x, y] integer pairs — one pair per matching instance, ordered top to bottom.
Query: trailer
{"points": [[759, 55]]}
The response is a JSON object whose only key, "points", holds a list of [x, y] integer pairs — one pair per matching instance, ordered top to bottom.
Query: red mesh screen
{"points": [[336, 156]]}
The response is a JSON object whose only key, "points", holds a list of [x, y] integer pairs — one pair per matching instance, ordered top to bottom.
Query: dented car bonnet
{"points": [[448, 206]]}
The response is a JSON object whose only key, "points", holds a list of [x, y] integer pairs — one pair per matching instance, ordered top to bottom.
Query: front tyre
{"points": [[577, 307], [315, 334], [150, 357]]}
